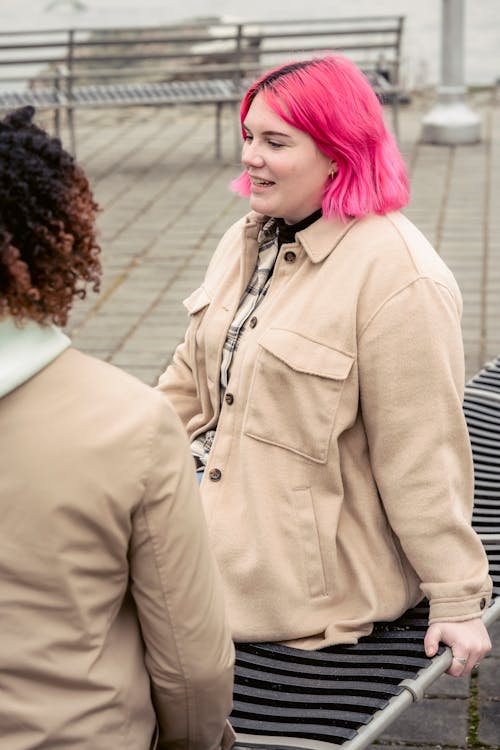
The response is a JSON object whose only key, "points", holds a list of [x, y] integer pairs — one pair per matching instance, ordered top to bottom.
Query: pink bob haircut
{"points": [[331, 100]]}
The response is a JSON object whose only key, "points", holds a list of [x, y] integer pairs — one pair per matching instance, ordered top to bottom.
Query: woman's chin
{"points": [[259, 205]]}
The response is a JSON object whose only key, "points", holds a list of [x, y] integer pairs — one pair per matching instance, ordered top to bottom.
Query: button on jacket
{"points": [[345, 474], [110, 599]]}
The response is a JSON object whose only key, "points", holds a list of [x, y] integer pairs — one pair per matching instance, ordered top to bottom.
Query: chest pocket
{"points": [[196, 301], [196, 305], [202, 353], [295, 393]]}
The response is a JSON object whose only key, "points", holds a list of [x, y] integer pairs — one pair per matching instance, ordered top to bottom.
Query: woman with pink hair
{"points": [[321, 382]]}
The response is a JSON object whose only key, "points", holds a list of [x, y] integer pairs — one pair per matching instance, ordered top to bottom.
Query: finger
{"points": [[431, 640], [460, 666]]}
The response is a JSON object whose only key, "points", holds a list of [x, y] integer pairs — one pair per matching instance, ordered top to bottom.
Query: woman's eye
{"points": [[247, 137], [275, 144]]}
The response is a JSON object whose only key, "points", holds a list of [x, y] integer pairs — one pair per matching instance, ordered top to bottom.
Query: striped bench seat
{"points": [[212, 91], [135, 94]]}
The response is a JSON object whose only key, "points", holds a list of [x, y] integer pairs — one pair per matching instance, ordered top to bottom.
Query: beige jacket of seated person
{"points": [[339, 486], [111, 608]]}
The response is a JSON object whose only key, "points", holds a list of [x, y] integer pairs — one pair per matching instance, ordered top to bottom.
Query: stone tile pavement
{"points": [[165, 203]]}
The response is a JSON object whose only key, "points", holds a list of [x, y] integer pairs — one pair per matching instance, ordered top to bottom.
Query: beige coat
{"points": [[340, 483], [99, 505]]}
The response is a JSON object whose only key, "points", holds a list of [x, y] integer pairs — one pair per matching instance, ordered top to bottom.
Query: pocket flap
{"points": [[197, 300], [304, 355]]}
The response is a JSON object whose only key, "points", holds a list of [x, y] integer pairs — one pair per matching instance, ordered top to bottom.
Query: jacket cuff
{"points": [[457, 610]]}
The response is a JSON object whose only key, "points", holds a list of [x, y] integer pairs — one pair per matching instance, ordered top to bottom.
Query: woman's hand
{"points": [[469, 642]]}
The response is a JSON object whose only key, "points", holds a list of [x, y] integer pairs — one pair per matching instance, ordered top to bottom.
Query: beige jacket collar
{"points": [[318, 239], [25, 350]]}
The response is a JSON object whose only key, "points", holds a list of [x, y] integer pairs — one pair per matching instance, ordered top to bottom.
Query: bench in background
{"points": [[208, 63]]}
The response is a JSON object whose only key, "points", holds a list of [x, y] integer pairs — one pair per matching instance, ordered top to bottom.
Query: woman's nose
{"points": [[250, 155]]}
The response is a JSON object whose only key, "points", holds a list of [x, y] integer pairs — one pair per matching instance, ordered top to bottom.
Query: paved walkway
{"points": [[165, 204]]}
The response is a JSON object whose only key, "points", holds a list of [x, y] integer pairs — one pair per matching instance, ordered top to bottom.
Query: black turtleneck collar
{"points": [[287, 232]]}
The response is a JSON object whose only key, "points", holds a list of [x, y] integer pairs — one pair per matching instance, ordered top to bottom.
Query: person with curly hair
{"points": [[48, 247], [112, 628]]}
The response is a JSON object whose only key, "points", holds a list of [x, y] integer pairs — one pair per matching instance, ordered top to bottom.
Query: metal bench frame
{"points": [[185, 65]]}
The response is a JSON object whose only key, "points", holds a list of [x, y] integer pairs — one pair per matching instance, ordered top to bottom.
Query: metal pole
{"points": [[451, 121]]}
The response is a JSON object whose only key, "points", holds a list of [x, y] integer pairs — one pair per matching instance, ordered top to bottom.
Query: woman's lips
{"points": [[260, 184]]}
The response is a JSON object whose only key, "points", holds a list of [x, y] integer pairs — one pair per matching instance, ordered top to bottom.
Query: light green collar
{"points": [[25, 350]]}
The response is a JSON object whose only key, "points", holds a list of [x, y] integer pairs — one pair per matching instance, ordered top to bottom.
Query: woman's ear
{"points": [[333, 169]]}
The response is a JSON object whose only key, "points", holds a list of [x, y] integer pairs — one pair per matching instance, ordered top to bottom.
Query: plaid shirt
{"points": [[253, 296]]}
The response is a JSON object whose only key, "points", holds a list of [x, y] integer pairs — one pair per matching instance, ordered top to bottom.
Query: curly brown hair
{"points": [[48, 248]]}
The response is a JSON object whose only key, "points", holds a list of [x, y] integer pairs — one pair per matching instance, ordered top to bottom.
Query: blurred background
{"points": [[421, 39]]}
